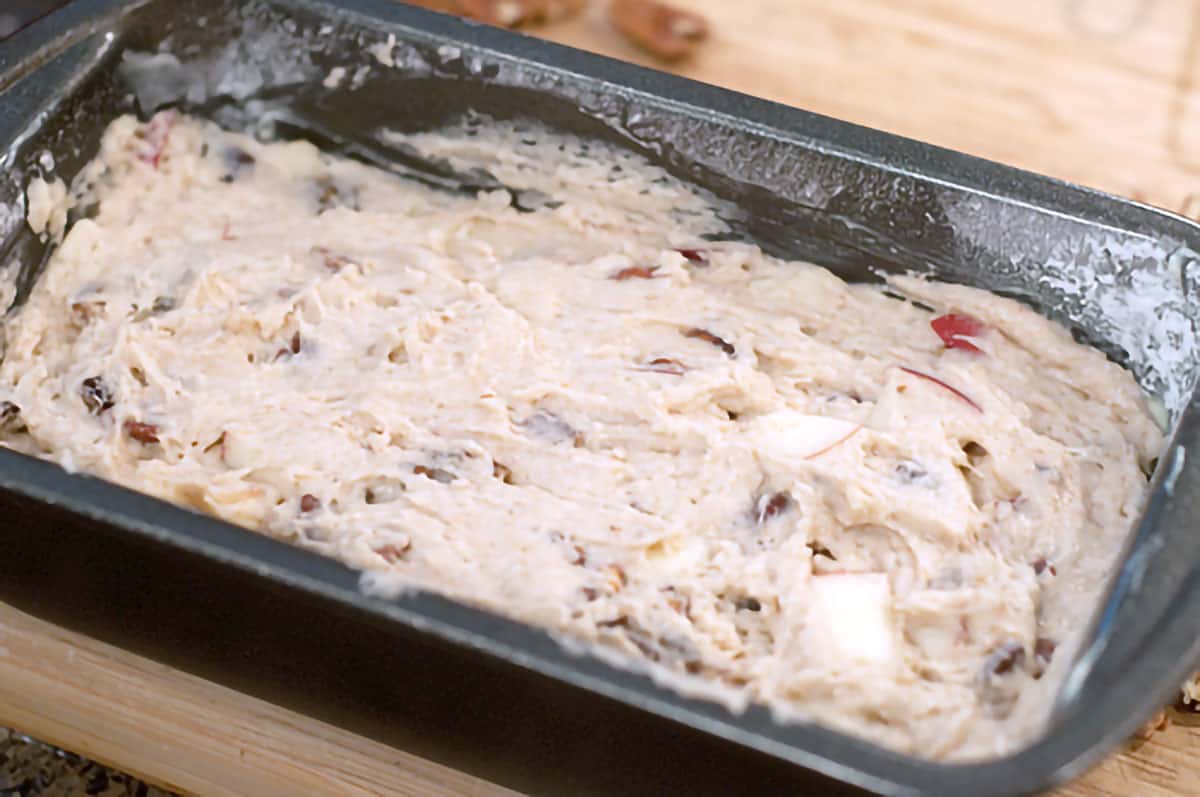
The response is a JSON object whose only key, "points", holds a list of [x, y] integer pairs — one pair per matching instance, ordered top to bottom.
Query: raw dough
{"points": [[589, 418]]}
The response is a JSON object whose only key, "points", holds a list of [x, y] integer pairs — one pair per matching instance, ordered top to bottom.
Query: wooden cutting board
{"points": [[1100, 92]]}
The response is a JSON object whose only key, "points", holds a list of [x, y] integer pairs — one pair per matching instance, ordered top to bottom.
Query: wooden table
{"points": [[1101, 92]]}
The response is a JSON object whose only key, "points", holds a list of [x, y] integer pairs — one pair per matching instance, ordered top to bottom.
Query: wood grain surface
{"points": [[1100, 92]]}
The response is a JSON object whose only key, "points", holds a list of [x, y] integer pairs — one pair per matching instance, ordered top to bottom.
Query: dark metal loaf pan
{"points": [[460, 685]]}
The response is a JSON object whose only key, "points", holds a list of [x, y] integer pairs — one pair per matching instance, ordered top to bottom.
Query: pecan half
{"points": [[505, 13], [663, 30]]}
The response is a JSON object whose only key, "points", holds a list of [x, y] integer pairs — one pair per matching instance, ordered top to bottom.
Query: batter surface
{"points": [[883, 509]]}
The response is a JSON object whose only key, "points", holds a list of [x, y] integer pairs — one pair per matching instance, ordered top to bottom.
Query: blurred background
{"points": [[1101, 92]]}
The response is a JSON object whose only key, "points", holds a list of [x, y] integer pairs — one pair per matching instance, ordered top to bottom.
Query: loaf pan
{"points": [[471, 689]]}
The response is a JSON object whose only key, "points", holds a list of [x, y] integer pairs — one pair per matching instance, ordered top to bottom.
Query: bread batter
{"points": [[880, 508]]}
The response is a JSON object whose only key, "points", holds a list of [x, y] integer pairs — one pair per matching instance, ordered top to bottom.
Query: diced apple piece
{"points": [[790, 437], [851, 614]]}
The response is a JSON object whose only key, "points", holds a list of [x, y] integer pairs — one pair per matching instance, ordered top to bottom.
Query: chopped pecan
{"points": [[551, 10], [501, 13], [505, 13], [513, 13], [664, 30], [334, 194], [694, 256], [333, 262], [635, 272], [163, 304], [87, 310], [703, 334], [291, 349], [664, 365], [96, 395], [10, 417], [549, 426], [142, 432], [218, 443], [502, 473], [436, 474], [383, 491], [772, 506], [819, 549], [392, 552], [1041, 565], [614, 576], [678, 601], [749, 604], [619, 622], [676, 650], [1043, 652], [1005, 658]]}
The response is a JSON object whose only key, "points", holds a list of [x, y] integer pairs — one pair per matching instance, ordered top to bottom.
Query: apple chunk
{"points": [[790, 437], [851, 617]]}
